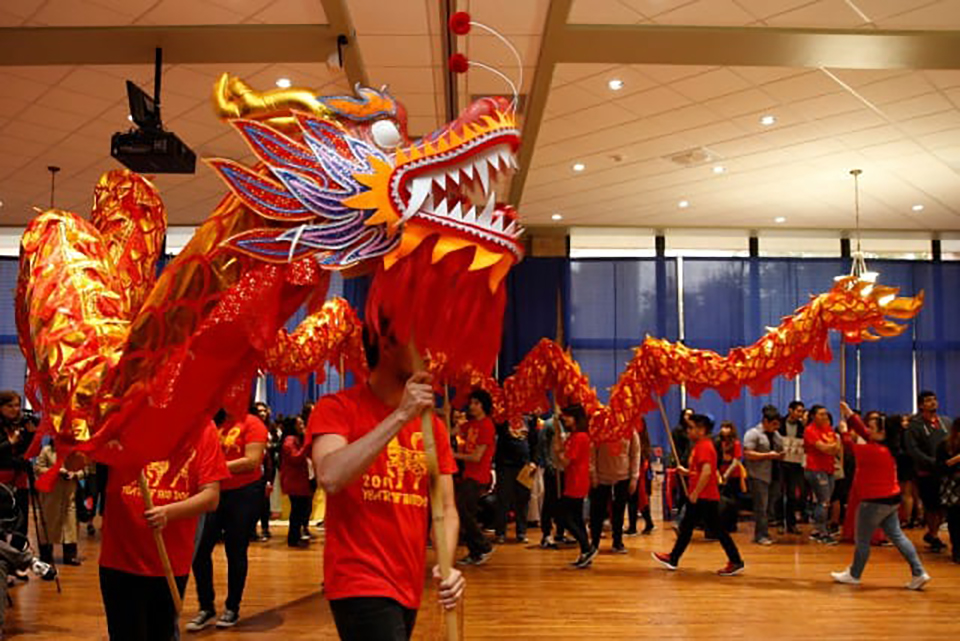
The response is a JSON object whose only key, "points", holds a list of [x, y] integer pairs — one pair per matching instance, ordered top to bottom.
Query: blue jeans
{"points": [[821, 483], [760, 491], [870, 516]]}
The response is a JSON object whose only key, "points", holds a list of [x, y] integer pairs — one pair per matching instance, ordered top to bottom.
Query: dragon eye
{"points": [[386, 134]]}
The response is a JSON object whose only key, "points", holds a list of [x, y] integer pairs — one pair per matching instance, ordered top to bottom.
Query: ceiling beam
{"points": [[342, 24], [208, 44], [759, 47], [537, 100]]}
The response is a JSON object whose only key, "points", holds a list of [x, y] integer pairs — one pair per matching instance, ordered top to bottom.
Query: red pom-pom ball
{"points": [[460, 23], [459, 63]]}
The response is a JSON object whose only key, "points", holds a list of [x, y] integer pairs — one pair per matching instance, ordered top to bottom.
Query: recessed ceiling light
{"points": [[284, 83], [615, 84], [130, 117], [768, 120], [579, 166], [719, 169], [1, 203], [683, 204], [917, 208], [557, 217], [779, 220]]}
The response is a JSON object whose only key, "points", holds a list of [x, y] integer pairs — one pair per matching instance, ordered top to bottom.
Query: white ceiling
{"points": [[902, 127]]}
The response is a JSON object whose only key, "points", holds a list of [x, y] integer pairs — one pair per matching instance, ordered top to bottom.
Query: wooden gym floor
{"points": [[528, 593]]}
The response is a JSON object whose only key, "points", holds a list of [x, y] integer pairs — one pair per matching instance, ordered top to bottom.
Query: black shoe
{"points": [[647, 529], [793, 529], [631, 532], [522, 538], [500, 540], [546, 543], [619, 549], [70, 554], [585, 559], [203, 619], [228, 619]]}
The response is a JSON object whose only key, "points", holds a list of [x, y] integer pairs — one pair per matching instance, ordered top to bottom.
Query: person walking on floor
{"points": [[479, 436], [243, 441], [515, 442], [762, 445], [573, 457], [614, 473], [876, 482], [640, 499], [703, 501], [59, 509]]}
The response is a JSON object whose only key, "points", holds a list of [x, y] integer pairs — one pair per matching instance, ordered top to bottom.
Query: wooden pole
{"points": [[843, 370], [673, 447], [440, 542], [161, 548]]}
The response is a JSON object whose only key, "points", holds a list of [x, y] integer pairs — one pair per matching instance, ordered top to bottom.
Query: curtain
{"points": [[534, 289], [937, 337], [12, 365]]}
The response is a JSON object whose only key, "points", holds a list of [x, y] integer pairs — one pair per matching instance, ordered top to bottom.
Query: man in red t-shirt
{"points": [[479, 435], [821, 445], [369, 457], [703, 500], [135, 593]]}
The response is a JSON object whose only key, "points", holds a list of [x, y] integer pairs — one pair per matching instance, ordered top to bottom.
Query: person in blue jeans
{"points": [[821, 445], [876, 483]]}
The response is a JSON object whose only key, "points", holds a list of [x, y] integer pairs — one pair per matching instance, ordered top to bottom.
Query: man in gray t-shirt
{"points": [[762, 445]]}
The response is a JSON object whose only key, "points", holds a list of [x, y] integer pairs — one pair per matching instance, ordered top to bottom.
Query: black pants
{"points": [[795, 489], [511, 495], [600, 498], [468, 504], [633, 504], [730, 504], [300, 508], [23, 510], [265, 511], [550, 511], [237, 513], [707, 513], [573, 518], [953, 525], [139, 608], [372, 619]]}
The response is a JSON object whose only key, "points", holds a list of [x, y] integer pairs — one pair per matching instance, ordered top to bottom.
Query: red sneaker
{"points": [[664, 560], [732, 569]]}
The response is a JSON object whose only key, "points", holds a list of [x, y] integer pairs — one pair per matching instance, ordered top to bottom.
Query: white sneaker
{"points": [[845, 577], [917, 582]]}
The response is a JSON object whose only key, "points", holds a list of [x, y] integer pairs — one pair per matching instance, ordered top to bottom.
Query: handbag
{"points": [[950, 490]]}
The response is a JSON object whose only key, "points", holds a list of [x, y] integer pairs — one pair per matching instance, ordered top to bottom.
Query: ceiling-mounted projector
{"points": [[148, 148]]}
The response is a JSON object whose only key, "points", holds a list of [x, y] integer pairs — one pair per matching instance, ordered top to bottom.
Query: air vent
{"points": [[693, 157]]}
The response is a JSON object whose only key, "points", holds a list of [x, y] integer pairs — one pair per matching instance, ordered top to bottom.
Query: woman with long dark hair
{"points": [[16, 434], [573, 456], [948, 460], [295, 479], [879, 491]]}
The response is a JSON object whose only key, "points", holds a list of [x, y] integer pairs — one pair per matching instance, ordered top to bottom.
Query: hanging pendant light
{"points": [[858, 268]]}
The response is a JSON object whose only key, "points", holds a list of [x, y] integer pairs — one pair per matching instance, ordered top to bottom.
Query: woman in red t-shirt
{"points": [[244, 441], [574, 459], [730, 469], [295, 479], [879, 492], [136, 597]]}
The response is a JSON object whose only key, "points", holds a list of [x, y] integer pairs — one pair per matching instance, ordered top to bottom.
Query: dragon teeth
{"points": [[483, 171], [454, 175], [418, 194], [441, 209], [456, 212], [470, 216], [486, 216], [512, 228]]}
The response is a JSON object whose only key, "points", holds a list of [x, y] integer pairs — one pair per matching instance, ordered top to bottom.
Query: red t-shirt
{"points": [[478, 433], [234, 437], [704, 452], [817, 461], [295, 467], [876, 475], [576, 483], [377, 526], [128, 543]]}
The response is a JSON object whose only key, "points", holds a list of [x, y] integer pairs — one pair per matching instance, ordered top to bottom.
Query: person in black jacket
{"points": [[926, 431], [16, 435], [514, 445], [948, 460], [794, 487]]}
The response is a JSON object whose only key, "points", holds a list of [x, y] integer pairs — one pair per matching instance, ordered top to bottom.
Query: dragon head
{"points": [[344, 172], [861, 309]]}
